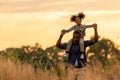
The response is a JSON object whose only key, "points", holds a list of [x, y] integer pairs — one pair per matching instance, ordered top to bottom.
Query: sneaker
{"points": [[65, 55]]}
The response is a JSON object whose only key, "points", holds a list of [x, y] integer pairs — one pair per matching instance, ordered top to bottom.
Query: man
{"points": [[76, 59]]}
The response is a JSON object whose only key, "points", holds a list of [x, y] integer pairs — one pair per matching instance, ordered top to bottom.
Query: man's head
{"points": [[76, 37]]}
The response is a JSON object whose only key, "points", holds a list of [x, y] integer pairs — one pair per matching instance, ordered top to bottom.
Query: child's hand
{"points": [[63, 31]]}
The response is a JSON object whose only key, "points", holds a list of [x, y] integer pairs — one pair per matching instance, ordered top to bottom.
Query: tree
{"points": [[103, 49], [53, 54]]}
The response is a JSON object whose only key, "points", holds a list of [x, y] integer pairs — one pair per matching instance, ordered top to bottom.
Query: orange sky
{"points": [[25, 22]]}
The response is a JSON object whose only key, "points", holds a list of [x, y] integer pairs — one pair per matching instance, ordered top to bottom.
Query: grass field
{"points": [[10, 70]]}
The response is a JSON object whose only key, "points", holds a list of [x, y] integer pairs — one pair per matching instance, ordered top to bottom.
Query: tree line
{"points": [[105, 51]]}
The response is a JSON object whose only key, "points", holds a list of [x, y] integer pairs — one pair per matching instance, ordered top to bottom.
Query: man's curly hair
{"points": [[80, 15]]}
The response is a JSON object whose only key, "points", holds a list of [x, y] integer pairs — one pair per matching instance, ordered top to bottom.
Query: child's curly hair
{"points": [[80, 15]]}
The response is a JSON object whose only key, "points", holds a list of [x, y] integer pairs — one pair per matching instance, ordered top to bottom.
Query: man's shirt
{"points": [[75, 55]]}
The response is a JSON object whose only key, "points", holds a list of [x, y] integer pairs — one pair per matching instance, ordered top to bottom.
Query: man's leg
{"points": [[71, 73], [76, 74], [81, 74]]}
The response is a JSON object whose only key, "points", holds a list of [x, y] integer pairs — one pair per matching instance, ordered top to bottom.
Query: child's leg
{"points": [[81, 43], [68, 45], [68, 48]]}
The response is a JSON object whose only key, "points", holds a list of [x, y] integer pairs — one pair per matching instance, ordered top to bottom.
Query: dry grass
{"points": [[10, 70], [97, 72]]}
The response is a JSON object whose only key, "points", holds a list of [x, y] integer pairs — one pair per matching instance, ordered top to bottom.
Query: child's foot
{"points": [[65, 55], [82, 55]]}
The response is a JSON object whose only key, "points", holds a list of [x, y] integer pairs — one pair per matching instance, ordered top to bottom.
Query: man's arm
{"points": [[95, 38], [59, 40]]}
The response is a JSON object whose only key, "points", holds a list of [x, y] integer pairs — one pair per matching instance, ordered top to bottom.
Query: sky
{"points": [[25, 22]]}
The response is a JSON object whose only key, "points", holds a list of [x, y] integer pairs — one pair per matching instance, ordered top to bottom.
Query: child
{"points": [[77, 19]]}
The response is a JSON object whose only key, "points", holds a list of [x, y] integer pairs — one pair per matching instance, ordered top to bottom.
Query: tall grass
{"points": [[10, 70]]}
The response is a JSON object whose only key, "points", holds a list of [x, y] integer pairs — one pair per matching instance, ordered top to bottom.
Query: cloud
{"points": [[11, 1], [10, 6], [28, 28]]}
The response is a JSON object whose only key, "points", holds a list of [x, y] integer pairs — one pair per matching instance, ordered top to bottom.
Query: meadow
{"points": [[34, 63], [10, 70]]}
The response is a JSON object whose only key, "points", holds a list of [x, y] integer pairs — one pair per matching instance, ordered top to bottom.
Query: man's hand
{"points": [[95, 26], [63, 32], [60, 38]]}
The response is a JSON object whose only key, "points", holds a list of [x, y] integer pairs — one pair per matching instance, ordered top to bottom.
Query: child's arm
{"points": [[89, 26], [68, 30]]}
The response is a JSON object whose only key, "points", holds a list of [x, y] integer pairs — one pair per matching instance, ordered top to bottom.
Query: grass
{"points": [[10, 70]]}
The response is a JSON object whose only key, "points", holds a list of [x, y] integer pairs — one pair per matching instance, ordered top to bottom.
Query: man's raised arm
{"points": [[95, 38], [59, 40]]}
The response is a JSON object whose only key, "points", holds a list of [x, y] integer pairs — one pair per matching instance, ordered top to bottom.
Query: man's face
{"points": [[78, 20], [76, 38]]}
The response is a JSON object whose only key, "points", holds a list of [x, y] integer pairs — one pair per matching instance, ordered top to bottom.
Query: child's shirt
{"points": [[81, 28]]}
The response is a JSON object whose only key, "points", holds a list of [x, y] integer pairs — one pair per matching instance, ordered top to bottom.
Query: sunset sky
{"points": [[25, 22]]}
